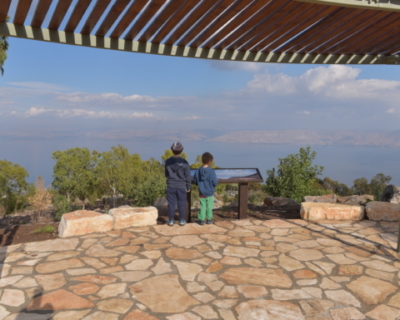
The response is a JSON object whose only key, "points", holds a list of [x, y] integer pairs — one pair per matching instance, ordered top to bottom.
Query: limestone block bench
{"points": [[330, 211], [383, 211], [83, 222]]}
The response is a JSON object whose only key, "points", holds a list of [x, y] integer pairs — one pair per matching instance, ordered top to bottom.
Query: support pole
{"points": [[242, 205], [189, 207], [398, 240]]}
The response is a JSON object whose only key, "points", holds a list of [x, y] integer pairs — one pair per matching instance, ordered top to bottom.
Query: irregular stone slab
{"points": [[330, 211], [383, 211], [126, 217], [83, 222], [278, 223], [190, 228], [241, 232], [186, 240], [118, 242], [52, 245], [98, 251], [240, 252], [153, 254], [183, 254], [306, 254], [63, 255], [231, 261], [95, 263], [139, 264], [289, 264], [379, 265], [50, 267], [161, 267], [350, 270], [80, 271], [188, 271], [132, 276], [260, 276], [95, 279], [9, 281], [51, 281], [27, 282], [85, 288], [112, 290], [371, 290], [250, 291], [156, 294], [294, 294], [12, 297], [204, 297], [342, 297], [59, 300], [395, 301], [115, 305], [316, 306], [268, 309], [206, 312], [384, 312], [346, 313], [70, 315], [101, 315], [139, 315], [28, 316], [184, 316]]}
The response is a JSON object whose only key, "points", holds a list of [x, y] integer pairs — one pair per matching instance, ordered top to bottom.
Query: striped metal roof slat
{"points": [[22, 11], [40, 13], [149, 13], [59, 14], [130, 15], [95, 16], [161, 19], [109, 20], [206, 21], [167, 28]]}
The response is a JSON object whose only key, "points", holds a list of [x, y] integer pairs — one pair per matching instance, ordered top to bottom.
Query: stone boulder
{"points": [[391, 194], [327, 198], [356, 200], [281, 202], [162, 205], [330, 211], [383, 211], [127, 217], [84, 222]]}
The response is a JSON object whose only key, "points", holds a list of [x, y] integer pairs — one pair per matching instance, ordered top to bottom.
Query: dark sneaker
{"points": [[170, 222], [182, 222], [201, 222], [210, 222]]}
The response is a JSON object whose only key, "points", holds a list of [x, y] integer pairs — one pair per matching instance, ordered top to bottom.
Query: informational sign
{"points": [[233, 175]]}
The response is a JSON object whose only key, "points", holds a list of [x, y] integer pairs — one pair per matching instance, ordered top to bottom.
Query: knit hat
{"points": [[177, 146]]}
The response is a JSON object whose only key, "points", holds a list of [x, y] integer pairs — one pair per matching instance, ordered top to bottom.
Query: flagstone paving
{"points": [[251, 269]]}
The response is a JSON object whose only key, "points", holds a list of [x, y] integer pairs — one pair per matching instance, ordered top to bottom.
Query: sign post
{"points": [[241, 176]]}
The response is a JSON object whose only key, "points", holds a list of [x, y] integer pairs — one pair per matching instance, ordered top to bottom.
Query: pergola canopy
{"points": [[287, 31]]}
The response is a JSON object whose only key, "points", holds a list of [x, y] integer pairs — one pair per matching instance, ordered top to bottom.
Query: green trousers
{"points": [[206, 207]]}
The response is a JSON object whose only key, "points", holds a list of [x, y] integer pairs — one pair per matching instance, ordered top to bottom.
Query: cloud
{"points": [[236, 65], [39, 86], [83, 97], [390, 110], [32, 112], [101, 114]]}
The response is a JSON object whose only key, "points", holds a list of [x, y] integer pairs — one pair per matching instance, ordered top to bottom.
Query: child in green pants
{"points": [[206, 179]]}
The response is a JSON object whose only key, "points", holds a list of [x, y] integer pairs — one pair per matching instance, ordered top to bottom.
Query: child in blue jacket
{"points": [[206, 179]]}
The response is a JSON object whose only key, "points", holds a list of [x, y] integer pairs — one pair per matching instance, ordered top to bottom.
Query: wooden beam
{"points": [[22, 11]]}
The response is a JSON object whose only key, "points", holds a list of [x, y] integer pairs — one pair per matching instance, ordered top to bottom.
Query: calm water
{"points": [[341, 163]]}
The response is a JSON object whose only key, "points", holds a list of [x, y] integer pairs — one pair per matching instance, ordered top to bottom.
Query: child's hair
{"points": [[176, 152], [207, 157]]}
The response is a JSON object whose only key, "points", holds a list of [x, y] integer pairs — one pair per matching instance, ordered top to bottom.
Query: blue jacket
{"points": [[177, 172], [206, 179]]}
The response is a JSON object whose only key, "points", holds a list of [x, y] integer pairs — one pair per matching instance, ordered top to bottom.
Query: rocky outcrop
{"points": [[391, 194], [327, 198], [356, 200], [281, 202], [330, 211], [383, 211], [126, 217], [84, 222]]}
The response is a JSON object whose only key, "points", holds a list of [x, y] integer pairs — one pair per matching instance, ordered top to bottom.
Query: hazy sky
{"points": [[54, 90]]}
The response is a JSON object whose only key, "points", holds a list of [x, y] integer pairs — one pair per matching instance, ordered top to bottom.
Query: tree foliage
{"points": [[3, 51], [168, 154], [74, 173], [295, 175], [13, 186], [374, 187], [41, 198]]}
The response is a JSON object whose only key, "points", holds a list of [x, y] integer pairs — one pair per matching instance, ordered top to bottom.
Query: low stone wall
{"points": [[330, 211], [383, 211], [85, 222]]}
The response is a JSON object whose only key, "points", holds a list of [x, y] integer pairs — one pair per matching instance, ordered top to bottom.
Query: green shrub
{"points": [[148, 191], [61, 206], [45, 229]]}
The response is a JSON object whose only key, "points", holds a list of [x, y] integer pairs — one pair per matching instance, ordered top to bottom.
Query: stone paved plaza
{"points": [[251, 269]]}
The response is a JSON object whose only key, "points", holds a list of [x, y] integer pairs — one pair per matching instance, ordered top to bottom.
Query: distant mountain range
{"points": [[389, 139]]}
